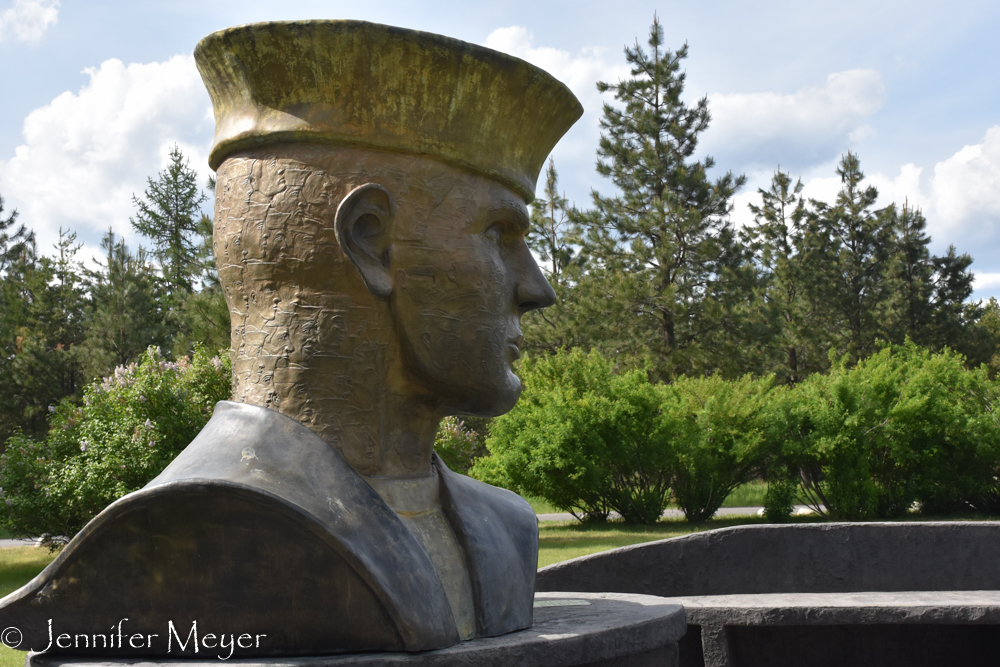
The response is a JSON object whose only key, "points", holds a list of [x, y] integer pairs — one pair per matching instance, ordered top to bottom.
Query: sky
{"points": [[94, 93]]}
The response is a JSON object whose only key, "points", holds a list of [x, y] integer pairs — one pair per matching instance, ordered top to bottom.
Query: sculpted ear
{"points": [[362, 227]]}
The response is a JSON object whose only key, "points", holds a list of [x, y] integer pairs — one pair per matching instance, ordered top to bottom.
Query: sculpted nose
{"points": [[533, 290]]}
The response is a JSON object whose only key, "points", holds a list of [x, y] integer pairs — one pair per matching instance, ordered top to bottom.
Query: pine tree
{"points": [[169, 215], [549, 235], [552, 238], [777, 239], [12, 243], [664, 245], [849, 246], [126, 315], [203, 316], [41, 325]]}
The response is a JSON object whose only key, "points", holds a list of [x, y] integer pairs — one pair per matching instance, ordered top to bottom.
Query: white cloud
{"points": [[27, 20], [580, 72], [798, 129], [85, 154], [574, 156], [966, 186], [822, 188], [905, 188], [961, 201], [986, 283]]}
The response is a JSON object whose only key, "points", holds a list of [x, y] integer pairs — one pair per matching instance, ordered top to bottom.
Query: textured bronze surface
{"points": [[384, 87], [375, 267], [371, 368]]}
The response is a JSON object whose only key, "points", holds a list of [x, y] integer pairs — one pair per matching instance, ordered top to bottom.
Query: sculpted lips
{"points": [[514, 345]]}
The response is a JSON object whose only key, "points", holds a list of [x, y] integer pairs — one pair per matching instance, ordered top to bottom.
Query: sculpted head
{"points": [[332, 258], [376, 264]]}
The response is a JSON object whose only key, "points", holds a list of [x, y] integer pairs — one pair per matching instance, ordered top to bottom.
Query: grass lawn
{"points": [[750, 494], [562, 540], [18, 565]]}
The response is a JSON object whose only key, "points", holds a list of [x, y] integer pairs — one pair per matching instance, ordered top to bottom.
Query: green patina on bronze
{"points": [[376, 86]]}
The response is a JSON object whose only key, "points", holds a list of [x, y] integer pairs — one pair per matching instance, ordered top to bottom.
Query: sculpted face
{"points": [[462, 277], [366, 283]]}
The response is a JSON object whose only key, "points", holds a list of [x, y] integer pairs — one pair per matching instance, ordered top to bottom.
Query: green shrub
{"points": [[130, 426], [903, 426], [721, 432], [583, 438], [779, 501]]}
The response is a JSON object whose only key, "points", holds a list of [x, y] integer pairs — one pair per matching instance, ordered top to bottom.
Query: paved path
{"points": [[677, 514], [24, 542]]}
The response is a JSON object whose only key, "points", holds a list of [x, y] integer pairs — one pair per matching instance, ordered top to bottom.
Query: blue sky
{"points": [[94, 94]]}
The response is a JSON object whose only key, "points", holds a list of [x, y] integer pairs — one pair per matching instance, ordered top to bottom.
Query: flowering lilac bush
{"points": [[130, 426], [458, 445]]}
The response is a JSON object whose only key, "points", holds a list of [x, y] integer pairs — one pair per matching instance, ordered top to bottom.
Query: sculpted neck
{"points": [[357, 403]]}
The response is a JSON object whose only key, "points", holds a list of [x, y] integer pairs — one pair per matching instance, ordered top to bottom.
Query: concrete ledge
{"points": [[880, 594], [951, 607], [597, 630], [737, 630]]}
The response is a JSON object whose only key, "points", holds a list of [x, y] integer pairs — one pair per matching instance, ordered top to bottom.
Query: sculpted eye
{"points": [[494, 234]]}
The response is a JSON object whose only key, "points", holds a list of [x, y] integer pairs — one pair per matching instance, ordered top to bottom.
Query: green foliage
{"points": [[169, 214], [14, 242], [849, 246], [665, 267], [843, 276], [127, 312], [42, 315], [203, 317], [987, 331], [795, 347], [906, 425], [129, 427], [721, 433], [583, 438], [458, 445], [779, 501]]}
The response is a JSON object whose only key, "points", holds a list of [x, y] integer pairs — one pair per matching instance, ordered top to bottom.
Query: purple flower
{"points": [[52, 408], [83, 445]]}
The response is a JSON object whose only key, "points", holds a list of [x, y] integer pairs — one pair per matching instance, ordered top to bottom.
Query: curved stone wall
{"points": [[799, 558]]}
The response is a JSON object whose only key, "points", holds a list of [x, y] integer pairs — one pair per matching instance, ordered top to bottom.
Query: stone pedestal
{"points": [[592, 629]]}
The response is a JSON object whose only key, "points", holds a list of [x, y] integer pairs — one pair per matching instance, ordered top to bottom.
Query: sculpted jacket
{"points": [[260, 527]]}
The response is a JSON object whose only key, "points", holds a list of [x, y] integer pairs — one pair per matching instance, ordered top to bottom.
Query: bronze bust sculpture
{"points": [[369, 234]]}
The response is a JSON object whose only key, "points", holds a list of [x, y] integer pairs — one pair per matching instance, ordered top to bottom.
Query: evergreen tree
{"points": [[169, 215], [551, 237], [777, 239], [12, 243], [664, 246], [848, 247], [928, 295], [126, 315], [203, 316], [41, 327], [987, 329]]}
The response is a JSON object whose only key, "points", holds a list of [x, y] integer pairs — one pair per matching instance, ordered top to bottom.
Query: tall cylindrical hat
{"points": [[352, 82]]}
